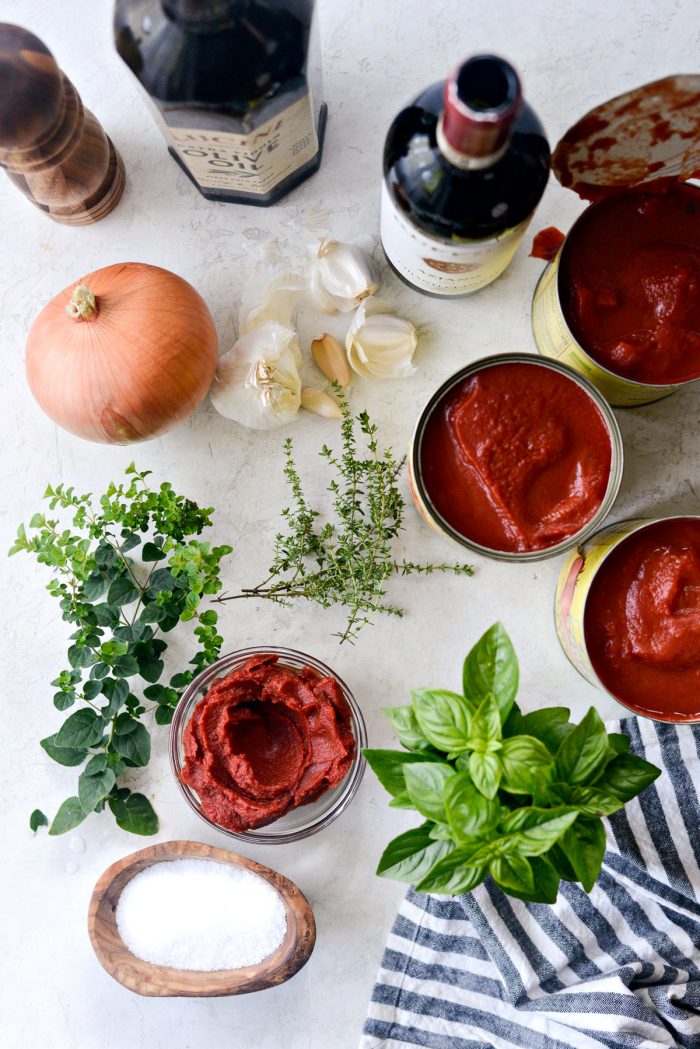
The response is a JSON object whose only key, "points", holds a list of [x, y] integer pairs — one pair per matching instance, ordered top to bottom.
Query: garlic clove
{"points": [[341, 277], [381, 345], [330, 359], [320, 403]]}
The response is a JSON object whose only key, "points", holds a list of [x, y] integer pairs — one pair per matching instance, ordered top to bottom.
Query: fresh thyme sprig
{"points": [[348, 562]]}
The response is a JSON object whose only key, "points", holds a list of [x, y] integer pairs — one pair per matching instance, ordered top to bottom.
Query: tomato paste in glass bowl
{"points": [[266, 745]]}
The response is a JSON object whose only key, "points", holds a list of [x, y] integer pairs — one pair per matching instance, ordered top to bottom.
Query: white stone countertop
{"points": [[377, 54]]}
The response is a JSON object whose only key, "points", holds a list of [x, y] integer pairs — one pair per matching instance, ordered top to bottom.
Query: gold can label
{"points": [[555, 339], [573, 586]]}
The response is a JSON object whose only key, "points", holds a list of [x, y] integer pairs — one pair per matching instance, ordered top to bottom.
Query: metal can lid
{"points": [[647, 134]]}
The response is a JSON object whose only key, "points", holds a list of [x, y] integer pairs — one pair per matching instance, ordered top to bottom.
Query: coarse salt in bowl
{"points": [[303, 820]]}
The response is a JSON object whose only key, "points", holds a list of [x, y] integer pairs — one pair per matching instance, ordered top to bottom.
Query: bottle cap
{"points": [[482, 99]]}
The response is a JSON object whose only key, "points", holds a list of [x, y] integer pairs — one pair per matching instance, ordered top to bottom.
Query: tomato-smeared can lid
{"points": [[643, 135]]}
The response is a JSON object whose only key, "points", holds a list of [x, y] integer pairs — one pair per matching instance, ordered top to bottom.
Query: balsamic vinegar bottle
{"points": [[234, 86], [465, 166]]}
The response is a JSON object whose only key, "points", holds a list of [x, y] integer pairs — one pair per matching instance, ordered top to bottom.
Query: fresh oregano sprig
{"points": [[350, 560], [126, 572], [517, 796]]}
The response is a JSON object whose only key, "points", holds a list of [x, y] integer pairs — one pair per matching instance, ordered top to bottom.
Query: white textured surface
{"points": [[377, 53]]}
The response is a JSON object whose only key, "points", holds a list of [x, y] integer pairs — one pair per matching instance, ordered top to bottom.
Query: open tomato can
{"points": [[620, 302], [516, 458], [627, 614]]}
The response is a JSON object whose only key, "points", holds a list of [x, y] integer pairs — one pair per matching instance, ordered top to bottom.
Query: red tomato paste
{"points": [[630, 284], [516, 457], [642, 620], [265, 739]]}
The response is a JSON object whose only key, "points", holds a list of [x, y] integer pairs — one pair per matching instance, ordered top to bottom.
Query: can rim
{"points": [[652, 387], [616, 457], [637, 524]]}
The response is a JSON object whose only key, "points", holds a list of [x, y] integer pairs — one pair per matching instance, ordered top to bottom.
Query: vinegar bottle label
{"points": [[252, 162], [442, 267]]}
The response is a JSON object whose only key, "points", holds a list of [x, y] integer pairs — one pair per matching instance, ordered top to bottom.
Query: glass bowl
{"points": [[305, 819]]}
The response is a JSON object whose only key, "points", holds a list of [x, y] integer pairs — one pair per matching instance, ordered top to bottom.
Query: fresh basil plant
{"points": [[517, 796]]}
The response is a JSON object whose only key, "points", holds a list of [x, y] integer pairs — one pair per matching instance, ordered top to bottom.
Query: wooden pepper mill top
{"points": [[52, 148]]}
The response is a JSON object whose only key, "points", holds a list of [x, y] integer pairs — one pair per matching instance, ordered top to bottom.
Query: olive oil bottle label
{"points": [[254, 162], [444, 267]]}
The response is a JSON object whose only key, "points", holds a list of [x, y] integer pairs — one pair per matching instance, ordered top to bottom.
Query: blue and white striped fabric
{"points": [[616, 968]]}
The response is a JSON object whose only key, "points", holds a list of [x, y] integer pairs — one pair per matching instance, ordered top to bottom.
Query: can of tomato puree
{"points": [[646, 142], [530, 436], [589, 578]]}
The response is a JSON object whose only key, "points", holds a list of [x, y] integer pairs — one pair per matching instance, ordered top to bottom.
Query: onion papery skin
{"points": [[140, 365]]}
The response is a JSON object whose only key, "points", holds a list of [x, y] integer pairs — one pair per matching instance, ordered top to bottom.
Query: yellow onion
{"points": [[123, 355]]}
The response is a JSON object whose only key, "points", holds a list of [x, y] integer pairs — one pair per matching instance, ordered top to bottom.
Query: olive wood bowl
{"points": [[162, 981]]}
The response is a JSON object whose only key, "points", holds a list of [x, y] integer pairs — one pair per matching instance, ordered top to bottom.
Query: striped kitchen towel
{"points": [[616, 968]]}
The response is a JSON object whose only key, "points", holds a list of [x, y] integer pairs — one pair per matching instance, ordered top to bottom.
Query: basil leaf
{"points": [[492, 667], [444, 717], [486, 723], [405, 725], [549, 726], [81, 730], [619, 742], [135, 747], [583, 752], [63, 755], [526, 764], [388, 766], [485, 771], [626, 776], [425, 783], [92, 789], [591, 801], [134, 813], [469, 813], [69, 815], [530, 816], [37, 819], [440, 832], [543, 833], [583, 844], [412, 854], [561, 864], [513, 872], [452, 874], [546, 880]]}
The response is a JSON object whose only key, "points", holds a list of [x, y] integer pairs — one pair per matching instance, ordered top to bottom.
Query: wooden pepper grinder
{"points": [[50, 145]]}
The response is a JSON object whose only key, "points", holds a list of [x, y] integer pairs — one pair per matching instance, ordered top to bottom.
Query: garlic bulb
{"points": [[341, 276], [380, 345], [257, 382]]}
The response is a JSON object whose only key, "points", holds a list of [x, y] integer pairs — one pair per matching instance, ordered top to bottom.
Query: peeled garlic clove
{"points": [[341, 276], [380, 345], [330, 359], [257, 383], [320, 403]]}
